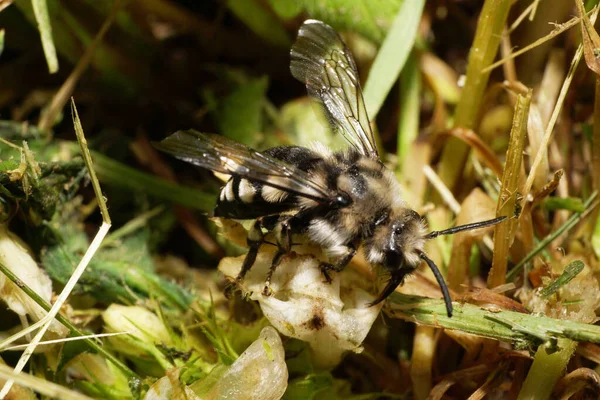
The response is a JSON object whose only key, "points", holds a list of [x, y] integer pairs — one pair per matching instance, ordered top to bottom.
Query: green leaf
{"points": [[40, 9], [286, 9], [370, 18], [261, 21], [491, 23], [74, 33], [1, 41], [392, 55], [240, 115], [304, 122], [408, 127], [18, 131], [588, 131], [118, 174], [24, 176], [564, 203], [568, 225], [505, 231], [130, 249], [570, 272], [97, 280], [108, 280], [70, 350], [298, 358], [547, 369], [307, 387], [101, 391]]}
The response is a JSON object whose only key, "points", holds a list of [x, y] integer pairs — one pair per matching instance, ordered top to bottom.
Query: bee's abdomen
{"points": [[239, 190], [246, 199]]}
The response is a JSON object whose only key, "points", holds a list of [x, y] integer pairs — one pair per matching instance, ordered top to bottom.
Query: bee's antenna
{"points": [[467, 227], [397, 278], [441, 282]]}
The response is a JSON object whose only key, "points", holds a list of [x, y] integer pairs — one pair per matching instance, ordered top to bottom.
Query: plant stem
{"points": [[490, 26], [408, 127], [596, 151], [85, 152], [115, 173], [571, 222], [504, 232], [523, 330], [93, 345], [546, 369]]}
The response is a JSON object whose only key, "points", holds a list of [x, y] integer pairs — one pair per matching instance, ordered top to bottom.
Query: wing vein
{"points": [[321, 61], [223, 155]]}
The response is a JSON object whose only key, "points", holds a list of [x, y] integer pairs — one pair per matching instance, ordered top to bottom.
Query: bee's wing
{"points": [[321, 60], [220, 154]]}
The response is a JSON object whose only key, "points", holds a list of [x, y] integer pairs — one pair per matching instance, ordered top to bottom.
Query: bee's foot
{"points": [[325, 268], [233, 287], [230, 289], [267, 291]]}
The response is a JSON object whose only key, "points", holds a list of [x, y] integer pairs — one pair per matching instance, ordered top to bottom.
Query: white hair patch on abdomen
{"points": [[228, 190], [246, 191], [273, 195]]}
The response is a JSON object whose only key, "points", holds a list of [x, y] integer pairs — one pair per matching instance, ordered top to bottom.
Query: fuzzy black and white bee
{"points": [[341, 200]]}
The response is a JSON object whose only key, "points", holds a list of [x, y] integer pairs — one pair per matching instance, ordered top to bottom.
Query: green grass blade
{"points": [[40, 9], [286, 9], [370, 18], [260, 20], [492, 21], [1, 41], [392, 55], [408, 127], [85, 152], [115, 173], [571, 222], [504, 232], [571, 271], [521, 329], [93, 345], [546, 369]]}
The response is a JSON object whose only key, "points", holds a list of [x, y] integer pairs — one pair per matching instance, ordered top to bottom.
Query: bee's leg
{"points": [[286, 234], [255, 240], [284, 244], [276, 260], [340, 264]]}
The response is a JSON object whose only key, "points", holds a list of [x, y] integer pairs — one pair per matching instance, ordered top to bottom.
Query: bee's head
{"points": [[397, 241]]}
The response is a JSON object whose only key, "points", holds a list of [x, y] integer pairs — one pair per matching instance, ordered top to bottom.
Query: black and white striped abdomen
{"points": [[238, 190], [245, 199]]}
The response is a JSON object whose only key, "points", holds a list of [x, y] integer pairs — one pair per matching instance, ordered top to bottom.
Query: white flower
{"points": [[15, 256], [332, 317], [144, 328], [259, 373]]}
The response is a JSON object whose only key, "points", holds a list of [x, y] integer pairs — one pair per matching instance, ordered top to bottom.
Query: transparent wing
{"points": [[321, 60], [220, 154]]}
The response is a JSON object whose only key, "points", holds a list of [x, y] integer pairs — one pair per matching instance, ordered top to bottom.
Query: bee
{"points": [[341, 200]]}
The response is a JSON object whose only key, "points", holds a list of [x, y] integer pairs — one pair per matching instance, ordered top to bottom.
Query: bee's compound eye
{"points": [[343, 200], [414, 215]]}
